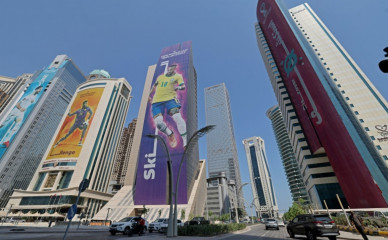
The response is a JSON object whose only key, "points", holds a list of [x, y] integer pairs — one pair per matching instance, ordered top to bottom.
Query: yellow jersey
{"points": [[165, 87]]}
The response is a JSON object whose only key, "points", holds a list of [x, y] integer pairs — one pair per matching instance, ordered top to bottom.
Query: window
{"points": [[355, 112], [361, 120], [366, 129], [373, 138], [378, 147]]}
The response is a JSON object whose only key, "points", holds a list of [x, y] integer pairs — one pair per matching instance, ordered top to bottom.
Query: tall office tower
{"points": [[11, 90], [340, 113], [167, 120], [27, 128], [221, 144], [83, 147], [122, 156], [294, 178], [261, 181]]}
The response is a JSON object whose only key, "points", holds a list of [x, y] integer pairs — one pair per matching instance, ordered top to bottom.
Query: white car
{"points": [[281, 223], [125, 225], [155, 225], [164, 225]]}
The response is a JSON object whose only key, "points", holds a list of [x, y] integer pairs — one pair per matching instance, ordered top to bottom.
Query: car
{"points": [[198, 221], [271, 223], [281, 223], [124, 225], [155, 225], [164, 225], [313, 226]]}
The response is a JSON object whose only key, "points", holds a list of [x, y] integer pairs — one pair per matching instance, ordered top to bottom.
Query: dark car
{"points": [[198, 221], [313, 226]]}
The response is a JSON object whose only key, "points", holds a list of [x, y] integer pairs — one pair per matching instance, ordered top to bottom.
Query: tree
{"points": [[296, 209], [144, 211], [160, 212], [183, 214], [224, 217]]}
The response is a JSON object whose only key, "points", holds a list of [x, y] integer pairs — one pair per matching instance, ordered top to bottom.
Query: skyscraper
{"points": [[170, 88], [11, 89], [339, 111], [29, 123], [221, 144], [83, 147], [120, 167], [294, 177], [261, 181]]}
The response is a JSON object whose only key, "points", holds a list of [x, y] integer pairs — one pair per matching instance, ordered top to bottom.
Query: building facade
{"points": [[11, 90], [29, 124], [221, 144], [83, 147], [339, 151], [122, 156], [290, 164], [262, 189]]}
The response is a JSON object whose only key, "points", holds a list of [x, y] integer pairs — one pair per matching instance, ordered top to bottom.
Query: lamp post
{"points": [[200, 133], [239, 194], [106, 219], [170, 230]]}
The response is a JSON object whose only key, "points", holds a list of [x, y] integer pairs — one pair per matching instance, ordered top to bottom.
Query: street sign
{"points": [[83, 185], [72, 211]]}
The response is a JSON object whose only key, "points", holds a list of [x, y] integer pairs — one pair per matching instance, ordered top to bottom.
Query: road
{"points": [[252, 232]]}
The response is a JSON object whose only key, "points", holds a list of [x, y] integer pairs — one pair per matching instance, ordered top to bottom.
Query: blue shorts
{"points": [[160, 107]]}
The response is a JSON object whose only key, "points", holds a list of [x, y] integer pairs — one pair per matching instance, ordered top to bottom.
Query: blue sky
{"points": [[124, 37]]}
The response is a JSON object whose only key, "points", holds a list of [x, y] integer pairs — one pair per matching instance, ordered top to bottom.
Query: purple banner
{"points": [[165, 117]]}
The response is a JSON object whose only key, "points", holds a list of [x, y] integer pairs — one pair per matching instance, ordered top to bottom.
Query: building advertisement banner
{"points": [[165, 117], [320, 120], [14, 121], [73, 132]]}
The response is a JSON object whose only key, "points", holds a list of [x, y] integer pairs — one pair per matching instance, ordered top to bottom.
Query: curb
{"points": [[369, 232]]}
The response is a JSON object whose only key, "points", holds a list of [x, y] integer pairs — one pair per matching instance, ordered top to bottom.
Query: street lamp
{"points": [[198, 134], [239, 192], [106, 219], [170, 231]]}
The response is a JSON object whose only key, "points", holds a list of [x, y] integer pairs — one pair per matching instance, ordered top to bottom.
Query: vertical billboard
{"points": [[166, 116], [13, 122], [321, 122], [72, 134]]}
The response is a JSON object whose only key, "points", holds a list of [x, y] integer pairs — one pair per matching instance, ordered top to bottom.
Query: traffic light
{"points": [[384, 64]]}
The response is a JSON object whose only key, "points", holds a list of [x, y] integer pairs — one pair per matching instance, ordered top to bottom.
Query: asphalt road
{"points": [[252, 232]]}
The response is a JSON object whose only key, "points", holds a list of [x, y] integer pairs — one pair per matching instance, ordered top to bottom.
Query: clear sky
{"points": [[124, 37]]}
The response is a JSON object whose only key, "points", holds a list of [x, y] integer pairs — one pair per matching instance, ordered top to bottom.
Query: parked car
{"points": [[198, 221], [271, 223], [281, 223], [125, 225], [155, 225], [164, 225], [313, 226]]}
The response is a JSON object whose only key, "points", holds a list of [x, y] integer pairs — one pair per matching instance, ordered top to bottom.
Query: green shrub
{"points": [[209, 229]]}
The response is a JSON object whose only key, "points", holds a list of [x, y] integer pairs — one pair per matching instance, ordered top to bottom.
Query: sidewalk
{"points": [[349, 235]]}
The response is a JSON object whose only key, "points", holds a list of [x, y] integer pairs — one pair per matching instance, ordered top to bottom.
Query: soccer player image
{"points": [[165, 100], [16, 116], [79, 123]]}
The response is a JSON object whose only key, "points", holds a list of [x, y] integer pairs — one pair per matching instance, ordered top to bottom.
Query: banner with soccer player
{"points": [[165, 117], [14, 121], [71, 136]]}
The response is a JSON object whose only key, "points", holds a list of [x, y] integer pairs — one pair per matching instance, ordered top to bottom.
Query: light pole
{"points": [[200, 133], [239, 192], [106, 219], [170, 230]]}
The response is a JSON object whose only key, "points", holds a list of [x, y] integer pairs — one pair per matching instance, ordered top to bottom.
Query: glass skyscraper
{"points": [[221, 145], [21, 156], [294, 178], [261, 180]]}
